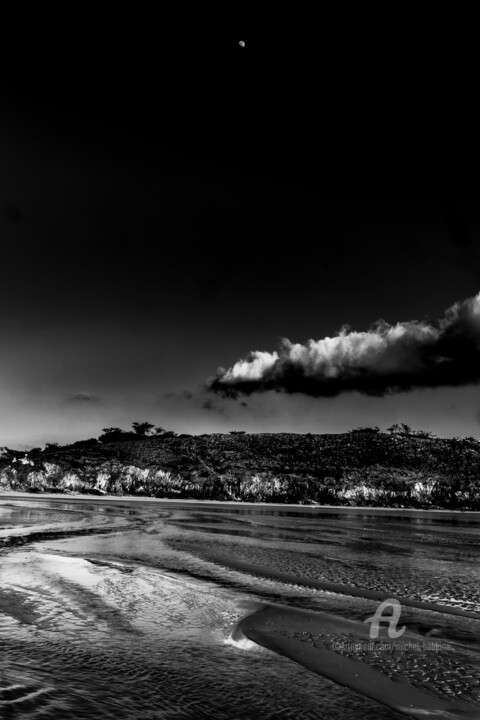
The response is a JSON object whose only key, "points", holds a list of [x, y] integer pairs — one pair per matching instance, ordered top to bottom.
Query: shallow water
{"points": [[127, 609]]}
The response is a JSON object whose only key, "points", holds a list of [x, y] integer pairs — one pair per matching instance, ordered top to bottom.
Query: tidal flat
{"points": [[131, 608]]}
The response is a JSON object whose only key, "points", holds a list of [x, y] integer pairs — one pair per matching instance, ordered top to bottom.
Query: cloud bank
{"points": [[384, 359]]}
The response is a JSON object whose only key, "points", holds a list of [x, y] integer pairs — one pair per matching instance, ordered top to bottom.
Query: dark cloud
{"points": [[384, 359], [183, 395], [82, 397], [201, 399], [212, 406]]}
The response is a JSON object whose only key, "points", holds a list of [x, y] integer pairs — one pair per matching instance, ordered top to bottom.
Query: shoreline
{"points": [[228, 503]]}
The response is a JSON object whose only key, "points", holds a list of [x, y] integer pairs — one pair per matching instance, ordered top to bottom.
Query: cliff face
{"points": [[352, 468]]}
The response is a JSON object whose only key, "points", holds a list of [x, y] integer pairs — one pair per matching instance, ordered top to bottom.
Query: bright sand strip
{"points": [[335, 509], [268, 628]]}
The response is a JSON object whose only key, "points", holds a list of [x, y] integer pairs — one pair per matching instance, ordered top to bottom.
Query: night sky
{"points": [[170, 205]]}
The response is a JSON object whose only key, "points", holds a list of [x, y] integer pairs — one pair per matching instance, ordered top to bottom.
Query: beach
{"points": [[136, 607]]}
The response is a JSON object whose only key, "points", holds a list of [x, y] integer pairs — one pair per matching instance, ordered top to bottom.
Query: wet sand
{"points": [[6, 494], [147, 608], [273, 627]]}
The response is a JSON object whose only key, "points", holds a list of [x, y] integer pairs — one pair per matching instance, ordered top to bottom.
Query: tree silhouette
{"points": [[143, 428], [112, 431]]}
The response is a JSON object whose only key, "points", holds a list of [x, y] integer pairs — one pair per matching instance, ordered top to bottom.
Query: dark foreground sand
{"points": [[268, 628]]}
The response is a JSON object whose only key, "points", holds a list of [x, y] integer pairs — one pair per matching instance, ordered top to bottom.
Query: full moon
{"points": [[241, 43]]}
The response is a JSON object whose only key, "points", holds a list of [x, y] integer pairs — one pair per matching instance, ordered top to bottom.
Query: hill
{"points": [[362, 467]]}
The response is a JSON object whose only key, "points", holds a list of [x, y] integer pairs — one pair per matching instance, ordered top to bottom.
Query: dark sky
{"points": [[171, 204]]}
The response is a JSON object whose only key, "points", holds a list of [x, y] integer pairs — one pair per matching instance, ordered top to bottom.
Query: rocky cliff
{"points": [[360, 467]]}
